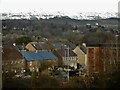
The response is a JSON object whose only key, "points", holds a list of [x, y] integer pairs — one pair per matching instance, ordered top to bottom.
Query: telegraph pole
{"points": [[117, 49], [67, 58], [68, 62]]}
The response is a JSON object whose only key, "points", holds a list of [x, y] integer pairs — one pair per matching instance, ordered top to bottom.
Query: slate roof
{"points": [[102, 44], [40, 45], [58, 45], [84, 49], [62, 52], [11, 53], [39, 55]]}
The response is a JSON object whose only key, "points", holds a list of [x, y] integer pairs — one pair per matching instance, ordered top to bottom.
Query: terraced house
{"points": [[41, 46], [81, 52], [68, 57], [39, 59], [12, 60], [18, 61]]}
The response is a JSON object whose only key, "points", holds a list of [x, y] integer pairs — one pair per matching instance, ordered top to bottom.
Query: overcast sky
{"points": [[71, 6]]}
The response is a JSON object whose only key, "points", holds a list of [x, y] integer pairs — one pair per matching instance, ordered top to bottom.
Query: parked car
{"points": [[19, 75], [27, 76]]}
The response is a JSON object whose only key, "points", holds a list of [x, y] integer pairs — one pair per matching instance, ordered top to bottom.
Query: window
{"points": [[91, 53], [11, 62], [15, 62], [18, 62], [6, 63], [30, 63], [33, 69], [37, 69], [24, 70], [15, 71]]}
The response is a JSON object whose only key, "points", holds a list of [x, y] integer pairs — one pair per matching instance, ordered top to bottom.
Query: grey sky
{"points": [[71, 6]]}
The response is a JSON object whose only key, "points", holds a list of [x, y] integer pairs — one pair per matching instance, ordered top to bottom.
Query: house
{"points": [[33, 46], [44, 46], [81, 53], [68, 57], [100, 57], [106, 57], [12, 60], [35, 60], [18, 61], [94, 63]]}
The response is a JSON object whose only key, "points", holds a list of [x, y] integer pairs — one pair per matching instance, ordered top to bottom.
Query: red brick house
{"points": [[102, 57], [12, 60]]}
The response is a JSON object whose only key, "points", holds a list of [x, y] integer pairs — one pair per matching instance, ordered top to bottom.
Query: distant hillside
{"points": [[59, 20], [57, 28]]}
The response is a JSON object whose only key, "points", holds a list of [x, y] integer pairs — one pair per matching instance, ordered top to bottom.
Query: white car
{"points": [[19, 75], [27, 76]]}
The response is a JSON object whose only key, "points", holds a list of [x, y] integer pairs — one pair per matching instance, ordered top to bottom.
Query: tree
{"points": [[99, 37], [23, 40]]}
